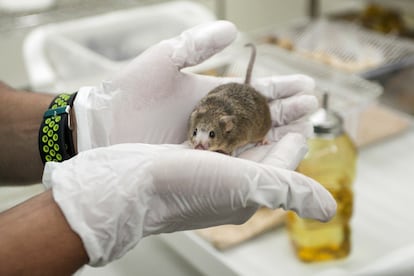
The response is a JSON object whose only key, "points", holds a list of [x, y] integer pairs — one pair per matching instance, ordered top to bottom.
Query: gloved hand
{"points": [[151, 99], [114, 196]]}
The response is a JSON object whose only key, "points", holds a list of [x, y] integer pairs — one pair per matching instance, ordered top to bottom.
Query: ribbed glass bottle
{"points": [[331, 160]]}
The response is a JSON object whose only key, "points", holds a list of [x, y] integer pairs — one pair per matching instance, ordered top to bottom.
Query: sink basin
{"points": [[67, 55]]}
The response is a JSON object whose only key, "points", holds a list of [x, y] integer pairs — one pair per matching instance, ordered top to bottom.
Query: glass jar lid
{"points": [[326, 121]]}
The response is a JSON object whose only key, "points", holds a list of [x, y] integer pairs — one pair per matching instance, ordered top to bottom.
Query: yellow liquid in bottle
{"points": [[332, 163]]}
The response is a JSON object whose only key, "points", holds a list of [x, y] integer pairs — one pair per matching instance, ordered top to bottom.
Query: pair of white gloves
{"points": [[134, 177]]}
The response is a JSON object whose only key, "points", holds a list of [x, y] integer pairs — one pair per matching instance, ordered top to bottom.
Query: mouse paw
{"points": [[265, 141]]}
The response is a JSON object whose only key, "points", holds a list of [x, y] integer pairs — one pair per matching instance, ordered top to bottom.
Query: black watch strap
{"points": [[55, 133]]}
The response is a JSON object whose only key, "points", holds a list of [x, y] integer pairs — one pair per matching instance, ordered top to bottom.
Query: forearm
{"points": [[20, 117], [36, 239]]}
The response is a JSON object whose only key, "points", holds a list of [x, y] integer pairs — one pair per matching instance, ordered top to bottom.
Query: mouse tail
{"points": [[251, 63]]}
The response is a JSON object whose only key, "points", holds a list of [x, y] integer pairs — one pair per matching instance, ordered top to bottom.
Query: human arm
{"points": [[20, 117], [36, 239]]}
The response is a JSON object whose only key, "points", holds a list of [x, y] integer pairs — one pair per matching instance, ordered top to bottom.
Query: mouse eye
{"points": [[195, 132], [212, 134]]}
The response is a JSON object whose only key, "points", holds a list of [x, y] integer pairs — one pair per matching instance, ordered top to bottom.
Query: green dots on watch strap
{"points": [[55, 133], [59, 157]]}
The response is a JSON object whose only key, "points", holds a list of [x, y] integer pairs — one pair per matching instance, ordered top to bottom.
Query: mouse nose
{"points": [[201, 147]]}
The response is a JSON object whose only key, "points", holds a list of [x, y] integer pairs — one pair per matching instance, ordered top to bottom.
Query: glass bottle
{"points": [[331, 160]]}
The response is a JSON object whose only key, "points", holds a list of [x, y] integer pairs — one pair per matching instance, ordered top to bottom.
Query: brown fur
{"points": [[237, 113]]}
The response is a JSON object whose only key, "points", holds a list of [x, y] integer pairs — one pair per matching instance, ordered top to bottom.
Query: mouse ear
{"points": [[201, 109], [197, 112], [227, 122]]}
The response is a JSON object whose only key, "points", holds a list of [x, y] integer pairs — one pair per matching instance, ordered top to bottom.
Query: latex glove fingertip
{"points": [[201, 42], [284, 86], [290, 109], [304, 128], [288, 152]]}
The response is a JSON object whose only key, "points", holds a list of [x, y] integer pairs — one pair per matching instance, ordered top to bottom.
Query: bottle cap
{"points": [[326, 121]]}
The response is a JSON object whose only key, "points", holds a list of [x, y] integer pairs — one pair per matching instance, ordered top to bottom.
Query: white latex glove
{"points": [[151, 99], [114, 196]]}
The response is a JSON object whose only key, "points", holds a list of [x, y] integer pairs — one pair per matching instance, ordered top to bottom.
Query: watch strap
{"points": [[55, 133]]}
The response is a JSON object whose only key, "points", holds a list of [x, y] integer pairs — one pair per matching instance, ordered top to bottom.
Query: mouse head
{"points": [[210, 131]]}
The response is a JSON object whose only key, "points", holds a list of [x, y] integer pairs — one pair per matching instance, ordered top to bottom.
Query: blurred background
{"points": [[17, 20], [359, 52]]}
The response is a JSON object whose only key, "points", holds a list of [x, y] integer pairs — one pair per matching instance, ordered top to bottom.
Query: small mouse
{"points": [[230, 116]]}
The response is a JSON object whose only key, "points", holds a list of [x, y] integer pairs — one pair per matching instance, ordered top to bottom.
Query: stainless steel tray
{"points": [[342, 45]]}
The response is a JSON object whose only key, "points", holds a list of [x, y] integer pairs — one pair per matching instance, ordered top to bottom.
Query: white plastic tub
{"points": [[67, 55]]}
